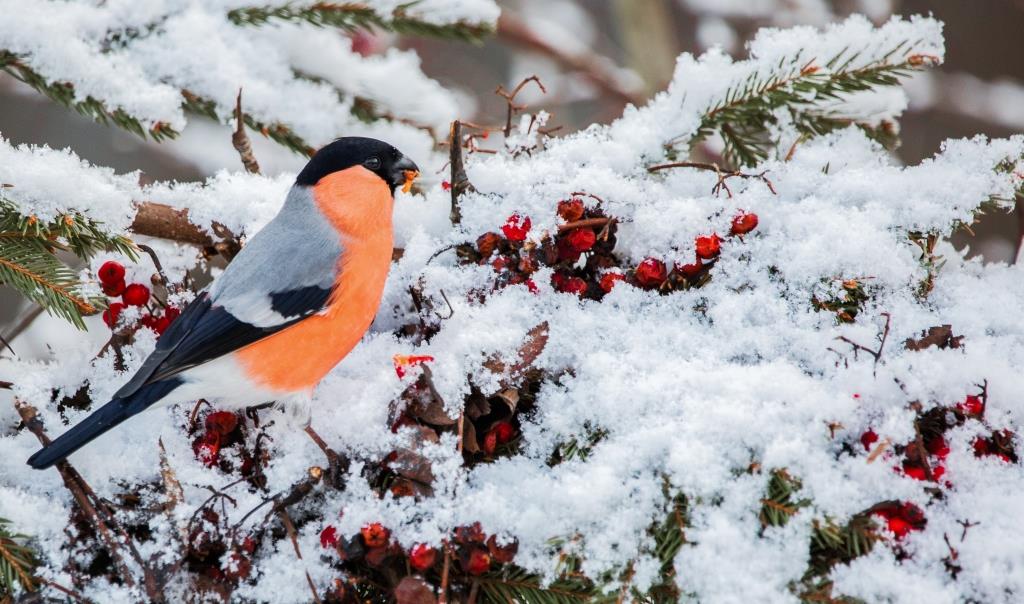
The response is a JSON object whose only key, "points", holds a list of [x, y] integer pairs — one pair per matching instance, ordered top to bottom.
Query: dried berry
{"points": [[570, 209], [743, 223], [516, 227], [487, 243], [708, 246], [690, 270], [110, 272], [650, 273], [608, 281], [568, 284], [136, 294], [972, 405], [207, 448], [375, 535], [502, 554], [422, 556], [477, 562]]}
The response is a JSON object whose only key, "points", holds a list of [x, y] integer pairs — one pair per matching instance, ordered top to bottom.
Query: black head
{"points": [[376, 156]]}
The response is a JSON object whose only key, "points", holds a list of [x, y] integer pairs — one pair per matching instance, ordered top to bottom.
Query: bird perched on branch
{"points": [[291, 305]]}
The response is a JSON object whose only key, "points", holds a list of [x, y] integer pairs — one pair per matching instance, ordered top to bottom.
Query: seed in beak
{"points": [[410, 177]]}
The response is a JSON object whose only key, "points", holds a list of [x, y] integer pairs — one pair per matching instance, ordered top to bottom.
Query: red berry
{"points": [[446, 186], [570, 209], [743, 222], [516, 227], [581, 240], [708, 246], [690, 270], [110, 272], [650, 273], [608, 281], [530, 285], [569, 285], [114, 289], [136, 294], [172, 312], [112, 313], [161, 324], [404, 361], [972, 405], [221, 422], [504, 430], [868, 438], [490, 443], [982, 446], [938, 447], [207, 448], [915, 472], [938, 472], [898, 526], [375, 535], [329, 537], [422, 556], [477, 562]]}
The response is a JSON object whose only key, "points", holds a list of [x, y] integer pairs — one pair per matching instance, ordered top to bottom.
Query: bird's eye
{"points": [[373, 163]]}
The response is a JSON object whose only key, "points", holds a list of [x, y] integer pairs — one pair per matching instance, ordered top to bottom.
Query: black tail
{"points": [[101, 420]]}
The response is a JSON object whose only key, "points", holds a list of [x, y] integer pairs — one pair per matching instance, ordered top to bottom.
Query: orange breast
{"points": [[358, 204]]}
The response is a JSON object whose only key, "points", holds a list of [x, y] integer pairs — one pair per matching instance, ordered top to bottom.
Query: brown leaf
{"points": [[940, 336], [536, 340], [510, 397], [424, 403], [477, 405], [469, 441], [403, 487], [414, 590]]}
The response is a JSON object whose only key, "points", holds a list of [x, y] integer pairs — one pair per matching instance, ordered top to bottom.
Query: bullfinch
{"points": [[296, 299]]}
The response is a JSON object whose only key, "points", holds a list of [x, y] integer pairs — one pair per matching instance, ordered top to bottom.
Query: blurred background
{"points": [[594, 57]]}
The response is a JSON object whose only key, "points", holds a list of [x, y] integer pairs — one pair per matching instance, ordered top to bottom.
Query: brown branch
{"points": [[594, 67], [510, 98], [240, 139], [723, 175], [459, 181], [164, 222], [586, 222], [876, 354], [84, 496], [290, 527], [442, 597]]}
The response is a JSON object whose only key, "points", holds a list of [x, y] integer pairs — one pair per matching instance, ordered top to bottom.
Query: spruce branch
{"points": [[353, 16], [743, 118], [29, 264], [779, 503], [17, 564], [518, 585]]}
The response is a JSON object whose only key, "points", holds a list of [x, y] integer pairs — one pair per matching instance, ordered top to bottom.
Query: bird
{"points": [[291, 305]]}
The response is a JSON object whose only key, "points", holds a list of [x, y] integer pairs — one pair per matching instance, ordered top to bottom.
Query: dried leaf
{"points": [[940, 336], [536, 340], [510, 397], [424, 403], [477, 405], [469, 441], [414, 590]]}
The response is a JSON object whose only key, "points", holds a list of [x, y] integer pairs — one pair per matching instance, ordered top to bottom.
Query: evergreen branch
{"points": [[353, 16], [63, 93], [748, 110], [277, 132], [778, 504], [16, 561], [518, 585]]}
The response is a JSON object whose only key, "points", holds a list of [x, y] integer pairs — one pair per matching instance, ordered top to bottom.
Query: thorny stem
{"points": [[723, 175]]}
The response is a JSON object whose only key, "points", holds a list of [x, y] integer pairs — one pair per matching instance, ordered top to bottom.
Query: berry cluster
{"points": [[582, 254], [111, 275], [222, 430], [924, 459], [900, 517], [475, 552]]}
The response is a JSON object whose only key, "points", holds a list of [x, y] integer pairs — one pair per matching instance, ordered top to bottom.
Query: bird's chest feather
{"points": [[298, 357]]}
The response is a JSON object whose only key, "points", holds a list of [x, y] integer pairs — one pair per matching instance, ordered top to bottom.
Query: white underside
{"points": [[223, 382]]}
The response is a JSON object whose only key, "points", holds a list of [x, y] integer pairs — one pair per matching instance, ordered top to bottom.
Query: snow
{"points": [[692, 387]]}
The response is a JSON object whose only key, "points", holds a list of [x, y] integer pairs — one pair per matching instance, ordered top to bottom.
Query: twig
{"points": [[595, 68], [510, 98], [241, 140], [723, 175], [459, 181], [586, 222], [156, 263], [877, 354], [922, 452], [337, 464], [75, 484], [290, 527], [66, 591], [442, 597]]}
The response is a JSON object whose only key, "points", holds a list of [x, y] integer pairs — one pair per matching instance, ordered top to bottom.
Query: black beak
{"points": [[402, 173]]}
